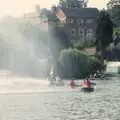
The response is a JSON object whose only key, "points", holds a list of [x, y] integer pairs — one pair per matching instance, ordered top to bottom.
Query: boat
{"points": [[88, 89]]}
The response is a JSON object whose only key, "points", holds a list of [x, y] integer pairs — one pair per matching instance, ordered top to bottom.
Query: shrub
{"points": [[116, 30], [90, 43], [83, 44], [79, 45], [75, 64]]}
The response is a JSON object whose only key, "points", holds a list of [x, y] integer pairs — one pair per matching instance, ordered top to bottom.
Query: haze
{"points": [[19, 7]]}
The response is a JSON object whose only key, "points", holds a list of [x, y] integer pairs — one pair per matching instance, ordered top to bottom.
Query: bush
{"points": [[116, 30], [90, 43], [83, 44], [79, 45], [75, 64]]}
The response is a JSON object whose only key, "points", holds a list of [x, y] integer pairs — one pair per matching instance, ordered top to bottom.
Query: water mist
{"points": [[20, 51]]}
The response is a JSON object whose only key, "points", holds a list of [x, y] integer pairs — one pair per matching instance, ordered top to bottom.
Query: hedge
{"points": [[76, 64]]}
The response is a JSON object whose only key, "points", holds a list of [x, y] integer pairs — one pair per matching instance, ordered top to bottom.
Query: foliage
{"points": [[79, 3], [113, 3], [114, 10], [116, 30], [104, 31], [84, 44], [79, 45], [112, 53], [76, 64]]}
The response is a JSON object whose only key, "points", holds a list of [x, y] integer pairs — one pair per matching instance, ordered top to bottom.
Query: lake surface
{"points": [[33, 101]]}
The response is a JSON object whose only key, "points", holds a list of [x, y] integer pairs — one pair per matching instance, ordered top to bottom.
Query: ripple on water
{"points": [[101, 105]]}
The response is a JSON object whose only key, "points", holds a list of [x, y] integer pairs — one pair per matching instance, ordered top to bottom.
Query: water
{"points": [[22, 49], [33, 100]]}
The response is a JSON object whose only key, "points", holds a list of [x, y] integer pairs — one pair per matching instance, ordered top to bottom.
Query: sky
{"points": [[19, 7]]}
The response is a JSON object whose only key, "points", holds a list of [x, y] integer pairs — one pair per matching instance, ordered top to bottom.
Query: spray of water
{"points": [[21, 48]]}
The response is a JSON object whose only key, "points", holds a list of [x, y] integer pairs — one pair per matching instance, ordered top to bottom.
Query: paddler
{"points": [[72, 84], [86, 84]]}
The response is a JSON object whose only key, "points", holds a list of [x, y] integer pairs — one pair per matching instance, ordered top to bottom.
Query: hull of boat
{"points": [[87, 89]]}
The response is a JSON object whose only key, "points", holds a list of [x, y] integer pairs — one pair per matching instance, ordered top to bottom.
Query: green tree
{"points": [[77, 3], [112, 3], [114, 10], [104, 32], [76, 64]]}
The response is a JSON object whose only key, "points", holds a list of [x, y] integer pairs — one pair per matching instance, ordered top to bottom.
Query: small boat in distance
{"points": [[86, 86]]}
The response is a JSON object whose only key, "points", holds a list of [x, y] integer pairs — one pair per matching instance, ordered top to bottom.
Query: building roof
{"points": [[81, 12]]}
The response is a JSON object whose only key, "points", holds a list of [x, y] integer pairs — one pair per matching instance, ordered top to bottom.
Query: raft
{"points": [[87, 89]]}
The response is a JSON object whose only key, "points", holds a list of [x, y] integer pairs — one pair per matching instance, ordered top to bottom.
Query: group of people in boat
{"points": [[86, 85]]}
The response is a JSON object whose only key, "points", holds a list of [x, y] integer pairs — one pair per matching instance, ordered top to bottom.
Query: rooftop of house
{"points": [[81, 12]]}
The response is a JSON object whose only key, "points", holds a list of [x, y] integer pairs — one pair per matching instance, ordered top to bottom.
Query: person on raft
{"points": [[72, 84], [86, 84]]}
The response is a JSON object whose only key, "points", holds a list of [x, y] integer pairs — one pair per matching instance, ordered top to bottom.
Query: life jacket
{"points": [[72, 84], [86, 84]]}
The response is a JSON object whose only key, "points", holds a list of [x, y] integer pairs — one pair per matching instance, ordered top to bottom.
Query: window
{"points": [[69, 5], [75, 5], [68, 20], [71, 21], [78, 21], [82, 21], [89, 21], [85, 22], [73, 32], [81, 32], [90, 33]]}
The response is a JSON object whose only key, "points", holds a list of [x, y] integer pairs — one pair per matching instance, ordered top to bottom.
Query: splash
{"points": [[21, 48]]}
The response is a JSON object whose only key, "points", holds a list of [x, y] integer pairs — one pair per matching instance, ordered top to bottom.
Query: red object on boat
{"points": [[72, 84], [86, 84]]}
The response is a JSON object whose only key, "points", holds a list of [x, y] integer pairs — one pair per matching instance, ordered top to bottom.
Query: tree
{"points": [[76, 3], [113, 3], [114, 10], [104, 32], [76, 64]]}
